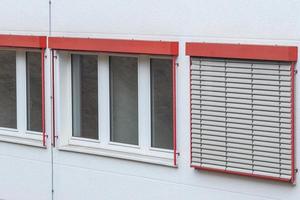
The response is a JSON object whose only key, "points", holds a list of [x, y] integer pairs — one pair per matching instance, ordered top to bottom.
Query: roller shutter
{"points": [[241, 116]]}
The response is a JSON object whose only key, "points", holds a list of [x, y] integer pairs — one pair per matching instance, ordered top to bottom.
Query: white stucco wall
{"points": [[25, 172]]}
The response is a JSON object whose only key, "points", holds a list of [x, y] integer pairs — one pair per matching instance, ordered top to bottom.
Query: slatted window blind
{"points": [[241, 116]]}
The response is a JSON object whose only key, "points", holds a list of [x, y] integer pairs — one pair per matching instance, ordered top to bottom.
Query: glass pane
{"points": [[34, 91], [85, 96], [124, 100], [161, 104], [8, 105]]}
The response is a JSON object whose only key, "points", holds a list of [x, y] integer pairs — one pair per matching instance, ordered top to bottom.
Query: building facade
{"points": [[149, 99]]}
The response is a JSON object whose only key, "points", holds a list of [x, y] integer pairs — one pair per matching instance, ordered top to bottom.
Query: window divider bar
{"points": [[104, 99], [21, 100], [144, 102]]}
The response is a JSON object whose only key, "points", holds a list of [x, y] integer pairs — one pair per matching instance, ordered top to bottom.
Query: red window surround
{"points": [[22, 41], [31, 42], [164, 48], [250, 52]]}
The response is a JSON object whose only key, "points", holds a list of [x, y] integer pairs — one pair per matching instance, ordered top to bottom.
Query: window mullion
{"points": [[21, 91], [64, 91], [103, 99], [144, 102]]}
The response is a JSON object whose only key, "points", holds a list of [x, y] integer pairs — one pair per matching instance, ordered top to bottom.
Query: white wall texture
{"points": [[25, 172]]}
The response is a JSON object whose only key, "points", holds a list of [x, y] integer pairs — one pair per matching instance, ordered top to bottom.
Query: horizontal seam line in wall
{"points": [[42, 32], [121, 35], [180, 36], [21, 158], [161, 180]]}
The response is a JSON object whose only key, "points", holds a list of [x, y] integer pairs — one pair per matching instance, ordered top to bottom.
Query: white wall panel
{"points": [[24, 17], [270, 19], [23, 178], [132, 187]]}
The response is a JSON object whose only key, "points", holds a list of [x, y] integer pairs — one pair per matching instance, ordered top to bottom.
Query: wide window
{"points": [[117, 105]]}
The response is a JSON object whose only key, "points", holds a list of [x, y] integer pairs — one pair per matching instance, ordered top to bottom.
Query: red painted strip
{"points": [[22, 41], [114, 46], [242, 51], [43, 97], [53, 101], [174, 111], [293, 121], [242, 174]]}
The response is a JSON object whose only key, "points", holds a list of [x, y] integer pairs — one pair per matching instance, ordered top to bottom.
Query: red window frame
{"points": [[30, 42], [165, 48], [251, 52]]}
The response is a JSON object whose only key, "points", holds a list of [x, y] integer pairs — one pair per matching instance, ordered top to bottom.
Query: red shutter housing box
{"points": [[23, 41], [30, 42], [114, 46], [242, 51], [250, 52]]}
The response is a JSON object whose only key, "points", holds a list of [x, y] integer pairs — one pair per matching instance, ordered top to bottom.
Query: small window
{"points": [[21, 89], [34, 91], [8, 94], [85, 96], [21, 97], [124, 100], [161, 104]]}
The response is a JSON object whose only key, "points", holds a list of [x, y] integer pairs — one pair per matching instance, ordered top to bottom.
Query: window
{"points": [[34, 91], [85, 96], [21, 97], [125, 97], [124, 100], [8, 103], [161, 104], [121, 105], [242, 110]]}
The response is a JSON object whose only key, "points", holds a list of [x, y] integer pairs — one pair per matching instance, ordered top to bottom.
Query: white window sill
{"points": [[27, 138], [115, 151]]}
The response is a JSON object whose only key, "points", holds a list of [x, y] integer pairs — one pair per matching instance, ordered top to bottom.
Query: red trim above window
{"points": [[23, 41], [114, 46], [242, 51]]}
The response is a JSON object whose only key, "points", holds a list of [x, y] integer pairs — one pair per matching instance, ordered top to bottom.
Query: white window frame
{"points": [[21, 135], [142, 152]]}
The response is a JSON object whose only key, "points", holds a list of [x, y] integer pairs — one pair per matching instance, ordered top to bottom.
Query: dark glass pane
{"points": [[34, 91], [85, 96], [124, 100], [161, 104], [8, 105]]}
